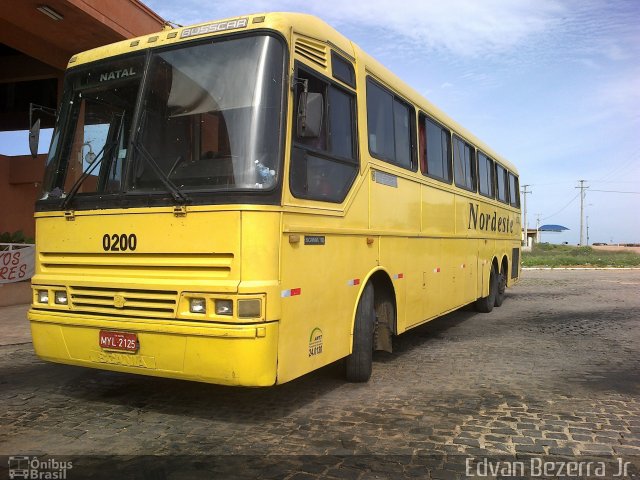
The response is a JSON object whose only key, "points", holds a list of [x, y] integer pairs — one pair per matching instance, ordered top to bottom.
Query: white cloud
{"points": [[463, 27], [620, 97]]}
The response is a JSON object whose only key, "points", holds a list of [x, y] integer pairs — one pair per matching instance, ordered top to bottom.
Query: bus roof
{"points": [[285, 23]]}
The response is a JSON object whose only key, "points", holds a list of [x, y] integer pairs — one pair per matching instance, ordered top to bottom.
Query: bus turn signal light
{"points": [[249, 308]]}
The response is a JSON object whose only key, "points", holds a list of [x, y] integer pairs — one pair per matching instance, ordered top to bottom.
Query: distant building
{"points": [[532, 236]]}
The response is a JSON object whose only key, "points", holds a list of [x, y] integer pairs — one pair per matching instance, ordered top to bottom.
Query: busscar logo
{"points": [[215, 27], [315, 342]]}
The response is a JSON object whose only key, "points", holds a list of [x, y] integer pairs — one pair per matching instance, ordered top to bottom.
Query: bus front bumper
{"points": [[214, 353]]}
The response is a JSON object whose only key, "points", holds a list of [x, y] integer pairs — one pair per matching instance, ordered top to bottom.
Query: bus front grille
{"points": [[168, 265], [131, 302]]}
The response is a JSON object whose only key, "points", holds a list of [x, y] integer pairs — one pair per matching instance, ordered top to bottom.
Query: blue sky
{"points": [[553, 85]]}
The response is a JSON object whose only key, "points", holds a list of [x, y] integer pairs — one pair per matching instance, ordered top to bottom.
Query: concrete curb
{"points": [[580, 268]]}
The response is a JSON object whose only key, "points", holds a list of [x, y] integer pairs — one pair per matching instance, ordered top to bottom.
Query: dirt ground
{"points": [[616, 248]]}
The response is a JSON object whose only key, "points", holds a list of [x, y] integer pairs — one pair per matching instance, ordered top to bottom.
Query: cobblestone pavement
{"points": [[555, 371]]}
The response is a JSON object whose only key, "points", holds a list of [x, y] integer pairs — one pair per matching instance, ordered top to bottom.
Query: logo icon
{"points": [[119, 300], [315, 342], [21, 466], [18, 467]]}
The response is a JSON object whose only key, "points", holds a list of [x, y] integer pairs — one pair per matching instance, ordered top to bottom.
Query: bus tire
{"points": [[502, 286], [485, 304], [359, 364]]}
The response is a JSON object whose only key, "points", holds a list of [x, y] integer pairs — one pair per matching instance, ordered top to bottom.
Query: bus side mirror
{"points": [[310, 111], [34, 138]]}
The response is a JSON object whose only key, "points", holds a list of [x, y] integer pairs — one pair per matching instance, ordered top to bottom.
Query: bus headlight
{"points": [[43, 296], [60, 297], [198, 305], [224, 307], [249, 308]]}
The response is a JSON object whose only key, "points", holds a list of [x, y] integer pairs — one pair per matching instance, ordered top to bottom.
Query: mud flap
{"points": [[382, 338]]}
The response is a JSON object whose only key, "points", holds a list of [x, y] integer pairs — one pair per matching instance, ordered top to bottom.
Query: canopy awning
{"points": [[552, 228]]}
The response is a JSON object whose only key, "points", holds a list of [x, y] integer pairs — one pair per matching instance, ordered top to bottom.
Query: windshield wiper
{"points": [[173, 189]]}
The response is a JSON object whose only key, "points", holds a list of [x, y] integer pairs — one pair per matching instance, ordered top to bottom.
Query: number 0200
{"points": [[119, 242]]}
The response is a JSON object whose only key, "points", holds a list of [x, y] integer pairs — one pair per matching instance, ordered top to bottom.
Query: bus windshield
{"points": [[206, 118]]}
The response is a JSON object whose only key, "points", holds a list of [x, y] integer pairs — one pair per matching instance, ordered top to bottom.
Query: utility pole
{"points": [[582, 195], [524, 220], [587, 230]]}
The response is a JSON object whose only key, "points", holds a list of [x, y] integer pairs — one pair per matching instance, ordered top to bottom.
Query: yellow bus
{"points": [[244, 201]]}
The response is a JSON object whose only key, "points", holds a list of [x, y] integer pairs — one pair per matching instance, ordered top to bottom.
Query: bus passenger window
{"points": [[380, 122], [389, 125], [402, 130], [422, 146], [437, 151], [463, 164], [486, 175], [501, 183], [514, 190]]}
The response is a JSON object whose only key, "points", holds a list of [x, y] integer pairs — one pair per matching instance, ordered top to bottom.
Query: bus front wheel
{"points": [[485, 304], [359, 363]]}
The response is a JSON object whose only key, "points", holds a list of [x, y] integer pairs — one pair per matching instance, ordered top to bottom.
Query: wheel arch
{"points": [[495, 265], [505, 265], [382, 287]]}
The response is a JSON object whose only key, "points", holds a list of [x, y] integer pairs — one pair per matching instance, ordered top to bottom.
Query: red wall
{"points": [[20, 181]]}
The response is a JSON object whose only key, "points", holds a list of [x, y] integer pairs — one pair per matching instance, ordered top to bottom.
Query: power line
{"points": [[613, 172], [618, 181], [552, 183], [613, 191], [563, 208]]}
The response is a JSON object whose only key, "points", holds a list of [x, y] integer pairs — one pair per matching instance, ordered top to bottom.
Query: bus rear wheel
{"points": [[485, 304], [359, 364]]}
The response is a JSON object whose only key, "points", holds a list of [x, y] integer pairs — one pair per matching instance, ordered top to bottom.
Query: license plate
{"points": [[127, 342]]}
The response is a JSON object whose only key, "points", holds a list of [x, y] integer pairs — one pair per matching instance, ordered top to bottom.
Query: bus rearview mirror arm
{"points": [[34, 127]]}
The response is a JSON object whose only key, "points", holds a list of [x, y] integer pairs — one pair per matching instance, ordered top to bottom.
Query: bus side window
{"points": [[389, 123], [422, 147], [437, 151], [464, 164], [324, 167], [486, 176], [501, 183], [514, 190]]}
